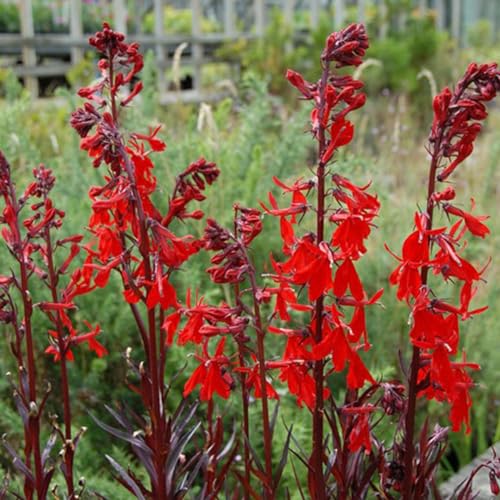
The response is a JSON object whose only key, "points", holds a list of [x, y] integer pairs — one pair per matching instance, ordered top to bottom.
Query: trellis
{"points": [[449, 15]]}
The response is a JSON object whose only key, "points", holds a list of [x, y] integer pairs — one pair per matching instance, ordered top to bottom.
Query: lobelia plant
{"points": [[132, 236], [33, 246], [313, 302], [435, 336], [328, 337], [323, 340]]}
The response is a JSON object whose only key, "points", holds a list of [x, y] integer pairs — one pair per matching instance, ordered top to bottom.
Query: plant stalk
{"points": [[261, 358], [318, 412], [156, 414], [33, 442], [68, 445], [409, 445]]}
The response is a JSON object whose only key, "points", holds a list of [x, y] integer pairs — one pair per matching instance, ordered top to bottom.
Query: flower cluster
{"points": [[457, 115], [123, 204], [133, 237], [36, 251], [324, 263], [231, 265], [313, 300], [435, 322], [335, 330]]}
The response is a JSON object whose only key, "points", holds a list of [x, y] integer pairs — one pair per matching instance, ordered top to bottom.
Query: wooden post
{"points": [[422, 7], [288, 9], [361, 11], [314, 14], [339, 14], [471, 14], [440, 15], [120, 16], [259, 17], [229, 19], [494, 19], [456, 20], [401, 21], [384, 26], [76, 29], [197, 52], [29, 53], [161, 56]]}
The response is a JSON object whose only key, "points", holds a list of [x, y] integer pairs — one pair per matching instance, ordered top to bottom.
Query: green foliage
{"points": [[92, 16], [9, 18], [43, 19], [178, 22], [480, 34], [404, 55], [269, 56], [83, 72], [10, 87], [149, 94]]}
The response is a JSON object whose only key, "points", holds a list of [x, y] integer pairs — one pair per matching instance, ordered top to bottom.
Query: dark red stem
{"points": [[151, 348], [261, 359], [319, 379], [244, 390], [34, 416], [246, 425], [409, 432], [68, 445]]}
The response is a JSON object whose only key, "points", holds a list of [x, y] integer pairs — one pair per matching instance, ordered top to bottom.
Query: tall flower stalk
{"points": [[132, 237], [31, 242], [313, 257], [233, 265], [434, 373], [25, 393]]}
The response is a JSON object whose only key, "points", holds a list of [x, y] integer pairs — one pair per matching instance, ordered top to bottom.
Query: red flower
{"points": [[346, 47], [296, 79], [341, 134], [155, 143], [294, 209], [248, 223], [474, 223], [173, 250], [310, 265], [347, 277], [162, 292], [285, 297], [74, 339], [210, 374], [357, 374], [253, 382], [301, 384], [461, 402], [359, 433]]}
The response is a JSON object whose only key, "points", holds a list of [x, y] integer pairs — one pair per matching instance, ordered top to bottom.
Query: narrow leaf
{"points": [[122, 435], [48, 448], [173, 456], [283, 460], [17, 462], [134, 488]]}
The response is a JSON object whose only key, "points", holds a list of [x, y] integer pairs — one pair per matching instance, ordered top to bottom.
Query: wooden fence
{"points": [[449, 15]]}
